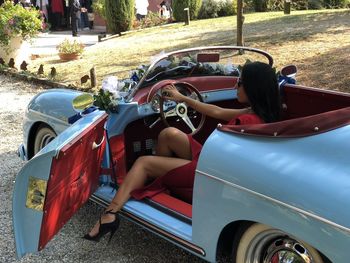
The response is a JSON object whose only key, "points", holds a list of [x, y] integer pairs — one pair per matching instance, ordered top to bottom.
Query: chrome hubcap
{"points": [[46, 140], [273, 246]]}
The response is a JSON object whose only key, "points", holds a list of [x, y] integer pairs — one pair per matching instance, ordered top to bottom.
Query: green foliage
{"points": [[234, 2], [336, 3], [300, 4], [315, 4], [195, 5], [260, 5], [274, 5], [278, 5], [99, 6], [179, 6], [216, 8], [228, 8], [178, 9], [209, 9], [119, 14], [152, 19], [16, 20], [70, 47], [104, 100]]}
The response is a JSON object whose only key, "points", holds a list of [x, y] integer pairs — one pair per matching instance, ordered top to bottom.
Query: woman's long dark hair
{"points": [[260, 84]]}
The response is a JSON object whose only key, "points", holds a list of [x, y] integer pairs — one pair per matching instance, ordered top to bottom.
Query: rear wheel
{"points": [[43, 137], [263, 244]]}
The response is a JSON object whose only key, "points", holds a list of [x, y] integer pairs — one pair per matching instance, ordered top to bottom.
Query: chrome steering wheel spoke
{"points": [[182, 110], [170, 113], [187, 120]]}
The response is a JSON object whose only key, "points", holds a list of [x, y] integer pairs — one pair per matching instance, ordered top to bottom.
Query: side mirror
{"points": [[289, 71], [83, 101]]}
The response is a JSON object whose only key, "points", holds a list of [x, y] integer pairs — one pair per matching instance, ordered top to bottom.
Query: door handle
{"points": [[95, 145]]}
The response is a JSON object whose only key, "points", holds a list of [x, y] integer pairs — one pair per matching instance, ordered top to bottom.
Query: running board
{"points": [[153, 228]]}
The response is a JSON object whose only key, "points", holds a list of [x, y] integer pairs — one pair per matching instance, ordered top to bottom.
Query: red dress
{"points": [[57, 6], [179, 181]]}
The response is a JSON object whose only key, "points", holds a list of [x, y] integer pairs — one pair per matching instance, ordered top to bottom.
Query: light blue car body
{"points": [[53, 108], [285, 186], [300, 186]]}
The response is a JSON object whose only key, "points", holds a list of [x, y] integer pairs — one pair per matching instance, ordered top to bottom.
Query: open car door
{"points": [[52, 186]]}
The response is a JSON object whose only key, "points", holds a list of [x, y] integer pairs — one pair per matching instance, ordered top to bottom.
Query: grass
{"points": [[317, 42]]}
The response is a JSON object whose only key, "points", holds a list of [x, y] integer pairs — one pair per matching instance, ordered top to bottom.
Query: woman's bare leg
{"points": [[173, 143], [144, 167]]}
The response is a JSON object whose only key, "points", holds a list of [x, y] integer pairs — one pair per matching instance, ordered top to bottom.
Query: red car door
{"points": [[51, 187]]}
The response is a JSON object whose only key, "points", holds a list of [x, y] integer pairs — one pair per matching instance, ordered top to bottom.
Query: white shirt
{"points": [[45, 2], [141, 7]]}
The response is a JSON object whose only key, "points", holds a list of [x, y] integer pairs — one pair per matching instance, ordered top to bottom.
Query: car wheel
{"points": [[43, 137], [263, 244]]}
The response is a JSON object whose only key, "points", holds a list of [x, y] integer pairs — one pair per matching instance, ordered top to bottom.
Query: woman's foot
{"points": [[104, 219], [108, 223]]}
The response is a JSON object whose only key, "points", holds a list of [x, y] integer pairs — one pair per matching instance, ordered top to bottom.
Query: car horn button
{"points": [[181, 109]]}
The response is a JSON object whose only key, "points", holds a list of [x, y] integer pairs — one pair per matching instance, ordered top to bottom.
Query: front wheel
{"points": [[43, 137], [263, 244]]}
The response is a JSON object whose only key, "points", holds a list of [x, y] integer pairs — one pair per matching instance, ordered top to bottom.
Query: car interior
{"points": [[301, 105], [139, 139]]}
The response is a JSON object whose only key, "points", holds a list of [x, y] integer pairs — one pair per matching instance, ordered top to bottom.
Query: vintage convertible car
{"points": [[275, 192]]}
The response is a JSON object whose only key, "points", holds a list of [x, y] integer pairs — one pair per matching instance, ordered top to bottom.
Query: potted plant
{"points": [[17, 24], [70, 49]]}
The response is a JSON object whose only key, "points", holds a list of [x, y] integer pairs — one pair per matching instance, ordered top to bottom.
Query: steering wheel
{"points": [[179, 110]]}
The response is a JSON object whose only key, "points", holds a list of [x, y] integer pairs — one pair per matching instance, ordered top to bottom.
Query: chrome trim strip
{"points": [[324, 220], [188, 245]]}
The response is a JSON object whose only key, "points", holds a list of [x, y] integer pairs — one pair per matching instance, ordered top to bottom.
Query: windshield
{"points": [[208, 61], [201, 62]]}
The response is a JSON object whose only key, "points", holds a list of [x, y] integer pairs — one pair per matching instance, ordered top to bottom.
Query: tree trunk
{"points": [[240, 20]]}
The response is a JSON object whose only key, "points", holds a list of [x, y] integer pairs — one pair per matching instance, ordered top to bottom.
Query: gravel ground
{"points": [[130, 244]]}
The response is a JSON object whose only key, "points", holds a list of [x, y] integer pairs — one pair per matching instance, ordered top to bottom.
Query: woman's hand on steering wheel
{"points": [[170, 92], [180, 110]]}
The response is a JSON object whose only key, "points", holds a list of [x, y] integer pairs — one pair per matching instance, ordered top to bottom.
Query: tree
{"points": [[180, 5], [260, 5], [119, 14], [240, 21]]}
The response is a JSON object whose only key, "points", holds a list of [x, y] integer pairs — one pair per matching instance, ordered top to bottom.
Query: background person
{"points": [[26, 3], [43, 6], [141, 9], [57, 10], [74, 15], [91, 15], [84, 19]]}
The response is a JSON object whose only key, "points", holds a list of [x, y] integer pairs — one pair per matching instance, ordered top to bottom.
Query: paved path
{"points": [[45, 43]]}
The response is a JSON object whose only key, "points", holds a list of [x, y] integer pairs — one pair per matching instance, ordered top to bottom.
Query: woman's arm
{"points": [[207, 109]]}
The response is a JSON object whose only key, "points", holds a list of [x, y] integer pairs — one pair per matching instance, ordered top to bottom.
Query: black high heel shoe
{"points": [[106, 228]]}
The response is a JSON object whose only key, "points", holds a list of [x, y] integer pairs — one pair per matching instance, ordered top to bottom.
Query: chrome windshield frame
{"points": [[152, 65]]}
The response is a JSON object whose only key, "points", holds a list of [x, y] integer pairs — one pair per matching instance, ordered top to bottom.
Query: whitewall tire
{"points": [[43, 137], [263, 244]]}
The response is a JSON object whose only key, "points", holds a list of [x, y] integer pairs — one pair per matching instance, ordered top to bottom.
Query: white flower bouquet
{"points": [[113, 90], [108, 97]]}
